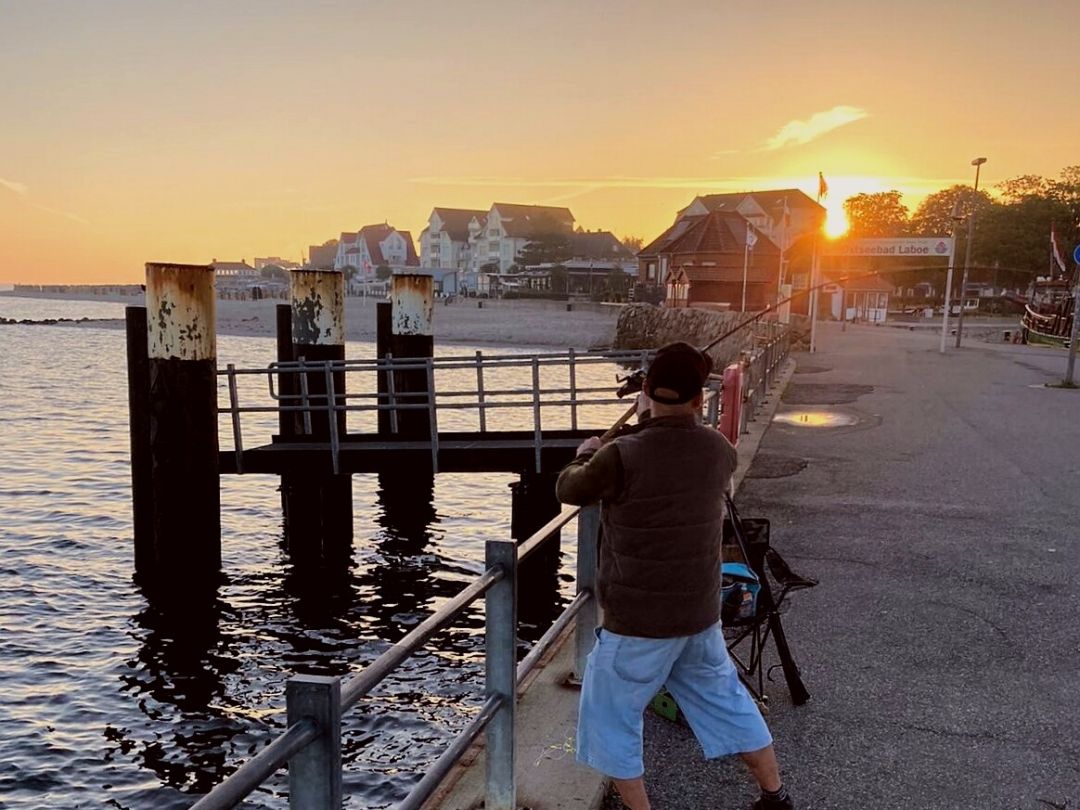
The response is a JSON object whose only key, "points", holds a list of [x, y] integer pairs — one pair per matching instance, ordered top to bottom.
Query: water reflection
{"points": [[178, 675]]}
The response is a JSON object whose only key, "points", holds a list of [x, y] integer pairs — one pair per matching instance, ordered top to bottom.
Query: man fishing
{"points": [[661, 485]]}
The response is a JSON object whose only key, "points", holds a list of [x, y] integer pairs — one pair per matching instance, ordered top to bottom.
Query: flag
{"points": [[822, 187], [751, 237], [1056, 252]]}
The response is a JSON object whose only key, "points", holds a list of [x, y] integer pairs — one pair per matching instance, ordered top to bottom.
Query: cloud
{"points": [[795, 133], [11, 185], [59, 213]]}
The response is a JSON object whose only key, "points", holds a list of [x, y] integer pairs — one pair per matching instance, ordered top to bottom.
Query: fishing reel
{"points": [[631, 383]]}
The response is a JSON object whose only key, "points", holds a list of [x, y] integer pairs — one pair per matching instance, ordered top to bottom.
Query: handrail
{"points": [[373, 673], [258, 769]]}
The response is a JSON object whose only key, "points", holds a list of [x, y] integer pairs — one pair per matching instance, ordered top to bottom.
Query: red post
{"points": [[731, 400]]}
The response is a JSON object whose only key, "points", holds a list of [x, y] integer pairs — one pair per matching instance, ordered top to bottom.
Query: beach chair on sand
{"points": [[757, 581]]}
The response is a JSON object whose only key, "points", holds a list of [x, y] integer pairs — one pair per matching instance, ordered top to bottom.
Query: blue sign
{"points": [[1076, 254]]}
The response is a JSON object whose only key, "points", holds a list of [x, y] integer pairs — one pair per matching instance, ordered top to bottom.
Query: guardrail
{"points": [[334, 400], [311, 744]]}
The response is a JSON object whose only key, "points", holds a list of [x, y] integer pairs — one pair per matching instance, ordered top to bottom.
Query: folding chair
{"points": [[746, 540]]}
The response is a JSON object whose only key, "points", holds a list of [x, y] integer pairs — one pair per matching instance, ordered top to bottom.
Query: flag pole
{"points": [[814, 261], [745, 265]]}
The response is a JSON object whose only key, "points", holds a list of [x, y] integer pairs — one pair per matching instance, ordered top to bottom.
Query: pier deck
{"points": [[463, 452]]}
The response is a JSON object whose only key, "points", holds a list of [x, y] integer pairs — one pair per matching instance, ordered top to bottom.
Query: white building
{"points": [[508, 228], [444, 243], [372, 247]]}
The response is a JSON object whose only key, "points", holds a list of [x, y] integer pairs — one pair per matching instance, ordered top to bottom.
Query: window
{"points": [[650, 271]]}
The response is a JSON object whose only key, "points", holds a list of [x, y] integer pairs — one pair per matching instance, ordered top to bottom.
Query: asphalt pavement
{"points": [[942, 647]]}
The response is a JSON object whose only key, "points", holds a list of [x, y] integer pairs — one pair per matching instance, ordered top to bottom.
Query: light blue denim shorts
{"points": [[623, 675]]}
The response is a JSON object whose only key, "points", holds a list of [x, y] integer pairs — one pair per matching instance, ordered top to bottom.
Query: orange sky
{"points": [[145, 130]]}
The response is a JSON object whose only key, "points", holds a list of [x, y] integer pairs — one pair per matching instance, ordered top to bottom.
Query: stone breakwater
{"points": [[644, 326]]}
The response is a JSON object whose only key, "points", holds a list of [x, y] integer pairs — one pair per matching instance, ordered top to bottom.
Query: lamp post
{"points": [[977, 163], [956, 220]]}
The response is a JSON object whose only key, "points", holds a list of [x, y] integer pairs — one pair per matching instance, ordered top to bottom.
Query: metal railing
{"points": [[761, 365], [532, 397], [311, 744]]}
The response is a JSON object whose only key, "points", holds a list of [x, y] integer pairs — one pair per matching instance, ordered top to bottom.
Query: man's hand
{"points": [[643, 405], [590, 445]]}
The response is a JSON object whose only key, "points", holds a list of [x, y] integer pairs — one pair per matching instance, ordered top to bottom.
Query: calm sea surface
{"points": [[107, 702]]}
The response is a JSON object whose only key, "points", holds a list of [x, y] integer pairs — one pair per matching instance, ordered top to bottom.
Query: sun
{"points": [[836, 221]]}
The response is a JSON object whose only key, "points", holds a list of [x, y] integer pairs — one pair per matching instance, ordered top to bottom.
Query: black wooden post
{"points": [[412, 299], [382, 348], [183, 437], [142, 493], [533, 503], [318, 508]]}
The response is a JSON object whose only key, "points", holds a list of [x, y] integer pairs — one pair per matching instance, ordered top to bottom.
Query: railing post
{"points": [[480, 390], [573, 390], [712, 416], [538, 437], [588, 533], [501, 675], [315, 771]]}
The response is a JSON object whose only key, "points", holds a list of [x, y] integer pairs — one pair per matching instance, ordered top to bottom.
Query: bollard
{"points": [[411, 338], [731, 403], [183, 437], [318, 508], [588, 560], [500, 675], [315, 770]]}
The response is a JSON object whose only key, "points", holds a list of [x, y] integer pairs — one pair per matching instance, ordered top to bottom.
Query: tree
{"points": [[878, 214], [933, 217], [633, 243], [546, 248], [383, 272]]}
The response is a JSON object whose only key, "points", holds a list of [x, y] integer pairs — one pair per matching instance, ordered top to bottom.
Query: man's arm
{"points": [[591, 477]]}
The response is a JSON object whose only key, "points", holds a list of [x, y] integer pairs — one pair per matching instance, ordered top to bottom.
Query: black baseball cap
{"points": [[677, 374]]}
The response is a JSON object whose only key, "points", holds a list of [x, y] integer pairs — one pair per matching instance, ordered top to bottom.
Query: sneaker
{"points": [[772, 804]]}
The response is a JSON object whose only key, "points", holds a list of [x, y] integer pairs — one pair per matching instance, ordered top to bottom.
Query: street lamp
{"points": [[977, 163], [956, 220]]}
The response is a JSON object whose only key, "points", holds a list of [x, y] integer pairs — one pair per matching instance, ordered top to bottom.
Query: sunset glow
{"points": [[120, 146]]}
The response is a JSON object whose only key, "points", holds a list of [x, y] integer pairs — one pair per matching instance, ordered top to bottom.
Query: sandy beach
{"points": [[502, 322]]}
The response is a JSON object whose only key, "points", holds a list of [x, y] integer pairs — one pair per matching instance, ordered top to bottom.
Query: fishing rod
{"points": [[632, 383]]}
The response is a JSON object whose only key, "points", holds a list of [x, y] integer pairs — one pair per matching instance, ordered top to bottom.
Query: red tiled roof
{"points": [[718, 232], [347, 238]]}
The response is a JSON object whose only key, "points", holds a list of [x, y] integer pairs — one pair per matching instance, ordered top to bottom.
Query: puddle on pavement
{"points": [[815, 418]]}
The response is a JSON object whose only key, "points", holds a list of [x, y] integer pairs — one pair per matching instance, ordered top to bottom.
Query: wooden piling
{"points": [[412, 301], [382, 348], [286, 383], [183, 430], [142, 493], [533, 503], [318, 509]]}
